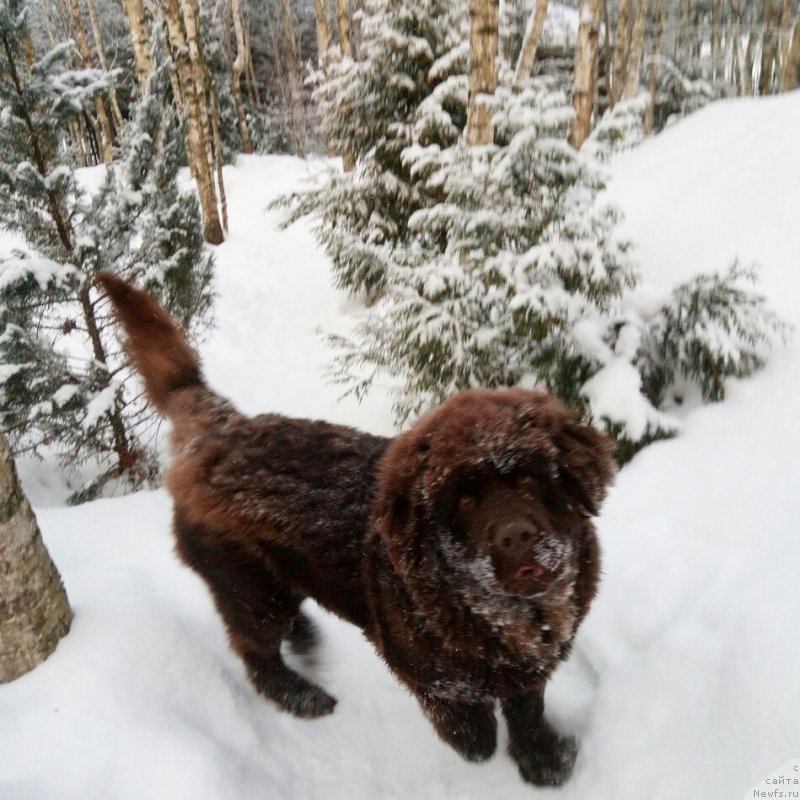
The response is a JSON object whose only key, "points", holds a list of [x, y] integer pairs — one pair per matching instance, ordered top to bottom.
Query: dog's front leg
{"points": [[469, 728], [544, 757]]}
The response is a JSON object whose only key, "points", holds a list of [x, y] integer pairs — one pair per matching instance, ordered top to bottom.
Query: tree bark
{"points": [[343, 24], [323, 33], [97, 34], [786, 34], [716, 38], [140, 39], [530, 42], [483, 43], [622, 45], [768, 49], [635, 53], [186, 54], [737, 55], [239, 68], [747, 68], [585, 72], [789, 75], [652, 77], [296, 106], [215, 123], [104, 126], [34, 610]]}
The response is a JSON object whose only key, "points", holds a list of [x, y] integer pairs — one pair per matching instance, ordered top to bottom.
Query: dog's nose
{"points": [[514, 538]]}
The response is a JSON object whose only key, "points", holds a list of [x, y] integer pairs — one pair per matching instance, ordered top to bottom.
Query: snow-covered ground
{"points": [[684, 679]]}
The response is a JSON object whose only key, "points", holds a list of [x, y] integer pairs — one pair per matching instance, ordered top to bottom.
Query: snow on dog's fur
{"points": [[463, 548]]}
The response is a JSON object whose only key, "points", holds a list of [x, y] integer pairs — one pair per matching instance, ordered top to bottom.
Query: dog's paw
{"points": [[303, 636], [308, 703], [469, 728], [475, 748], [550, 763]]}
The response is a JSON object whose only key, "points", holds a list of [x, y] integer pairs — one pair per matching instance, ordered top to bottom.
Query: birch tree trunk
{"points": [[343, 24], [182, 31], [323, 33], [786, 36], [716, 38], [140, 39], [483, 42], [530, 42], [622, 44], [768, 49], [635, 53], [737, 55], [101, 57], [747, 67], [237, 70], [585, 72], [789, 76], [652, 77], [252, 84], [296, 107], [104, 134], [217, 143], [34, 610]]}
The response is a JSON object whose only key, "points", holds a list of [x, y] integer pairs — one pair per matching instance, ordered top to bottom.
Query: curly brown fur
{"points": [[463, 548]]}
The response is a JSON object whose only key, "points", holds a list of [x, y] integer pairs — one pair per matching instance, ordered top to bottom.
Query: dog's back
{"points": [[268, 509]]}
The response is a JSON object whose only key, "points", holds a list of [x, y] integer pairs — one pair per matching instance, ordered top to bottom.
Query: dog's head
{"points": [[507, 480]]}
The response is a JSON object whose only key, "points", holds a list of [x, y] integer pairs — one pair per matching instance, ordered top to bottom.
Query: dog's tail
{"points": [[156, 345]]}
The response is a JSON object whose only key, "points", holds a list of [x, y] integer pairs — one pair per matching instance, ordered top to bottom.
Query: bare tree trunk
{"points": [[508, 9], [343, 24], [323, 32], [356, 36], [785, 36], [140, 38], [716, 38], [530, 42], [483, 43], [622, 45], [768, 49], [635, 52], [604, 53], [187, 56], [737, 56], [101, 57], [238, 68], [747, 68], [585, 72], [293, 74], [789, 75], [652, 76], [252, 84], [76, 134], [105, 136], [223, 199], [34, 610]]}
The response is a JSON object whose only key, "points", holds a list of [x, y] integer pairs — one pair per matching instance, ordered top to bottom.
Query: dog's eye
{"points": [[526, 483], [467, 503]]}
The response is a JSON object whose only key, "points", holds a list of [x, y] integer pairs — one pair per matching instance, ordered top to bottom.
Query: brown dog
{"points": [[463, 548]]}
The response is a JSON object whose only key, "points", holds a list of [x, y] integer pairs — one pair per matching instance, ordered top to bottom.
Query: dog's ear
{"points": [[586, 465]]}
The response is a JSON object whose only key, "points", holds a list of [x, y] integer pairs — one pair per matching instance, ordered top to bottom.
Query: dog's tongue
{"points": [[529, 571]]}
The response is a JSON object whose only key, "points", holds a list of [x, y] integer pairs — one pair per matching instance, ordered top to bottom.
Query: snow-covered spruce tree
{"points": [[410, 49], [517, 277], [61, 379]]}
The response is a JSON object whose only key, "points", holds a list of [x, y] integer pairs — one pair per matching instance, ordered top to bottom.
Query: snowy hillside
{"points": [[683, 681]]}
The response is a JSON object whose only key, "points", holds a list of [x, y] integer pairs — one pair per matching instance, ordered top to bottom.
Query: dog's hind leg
{"points": [[258, 610]]}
